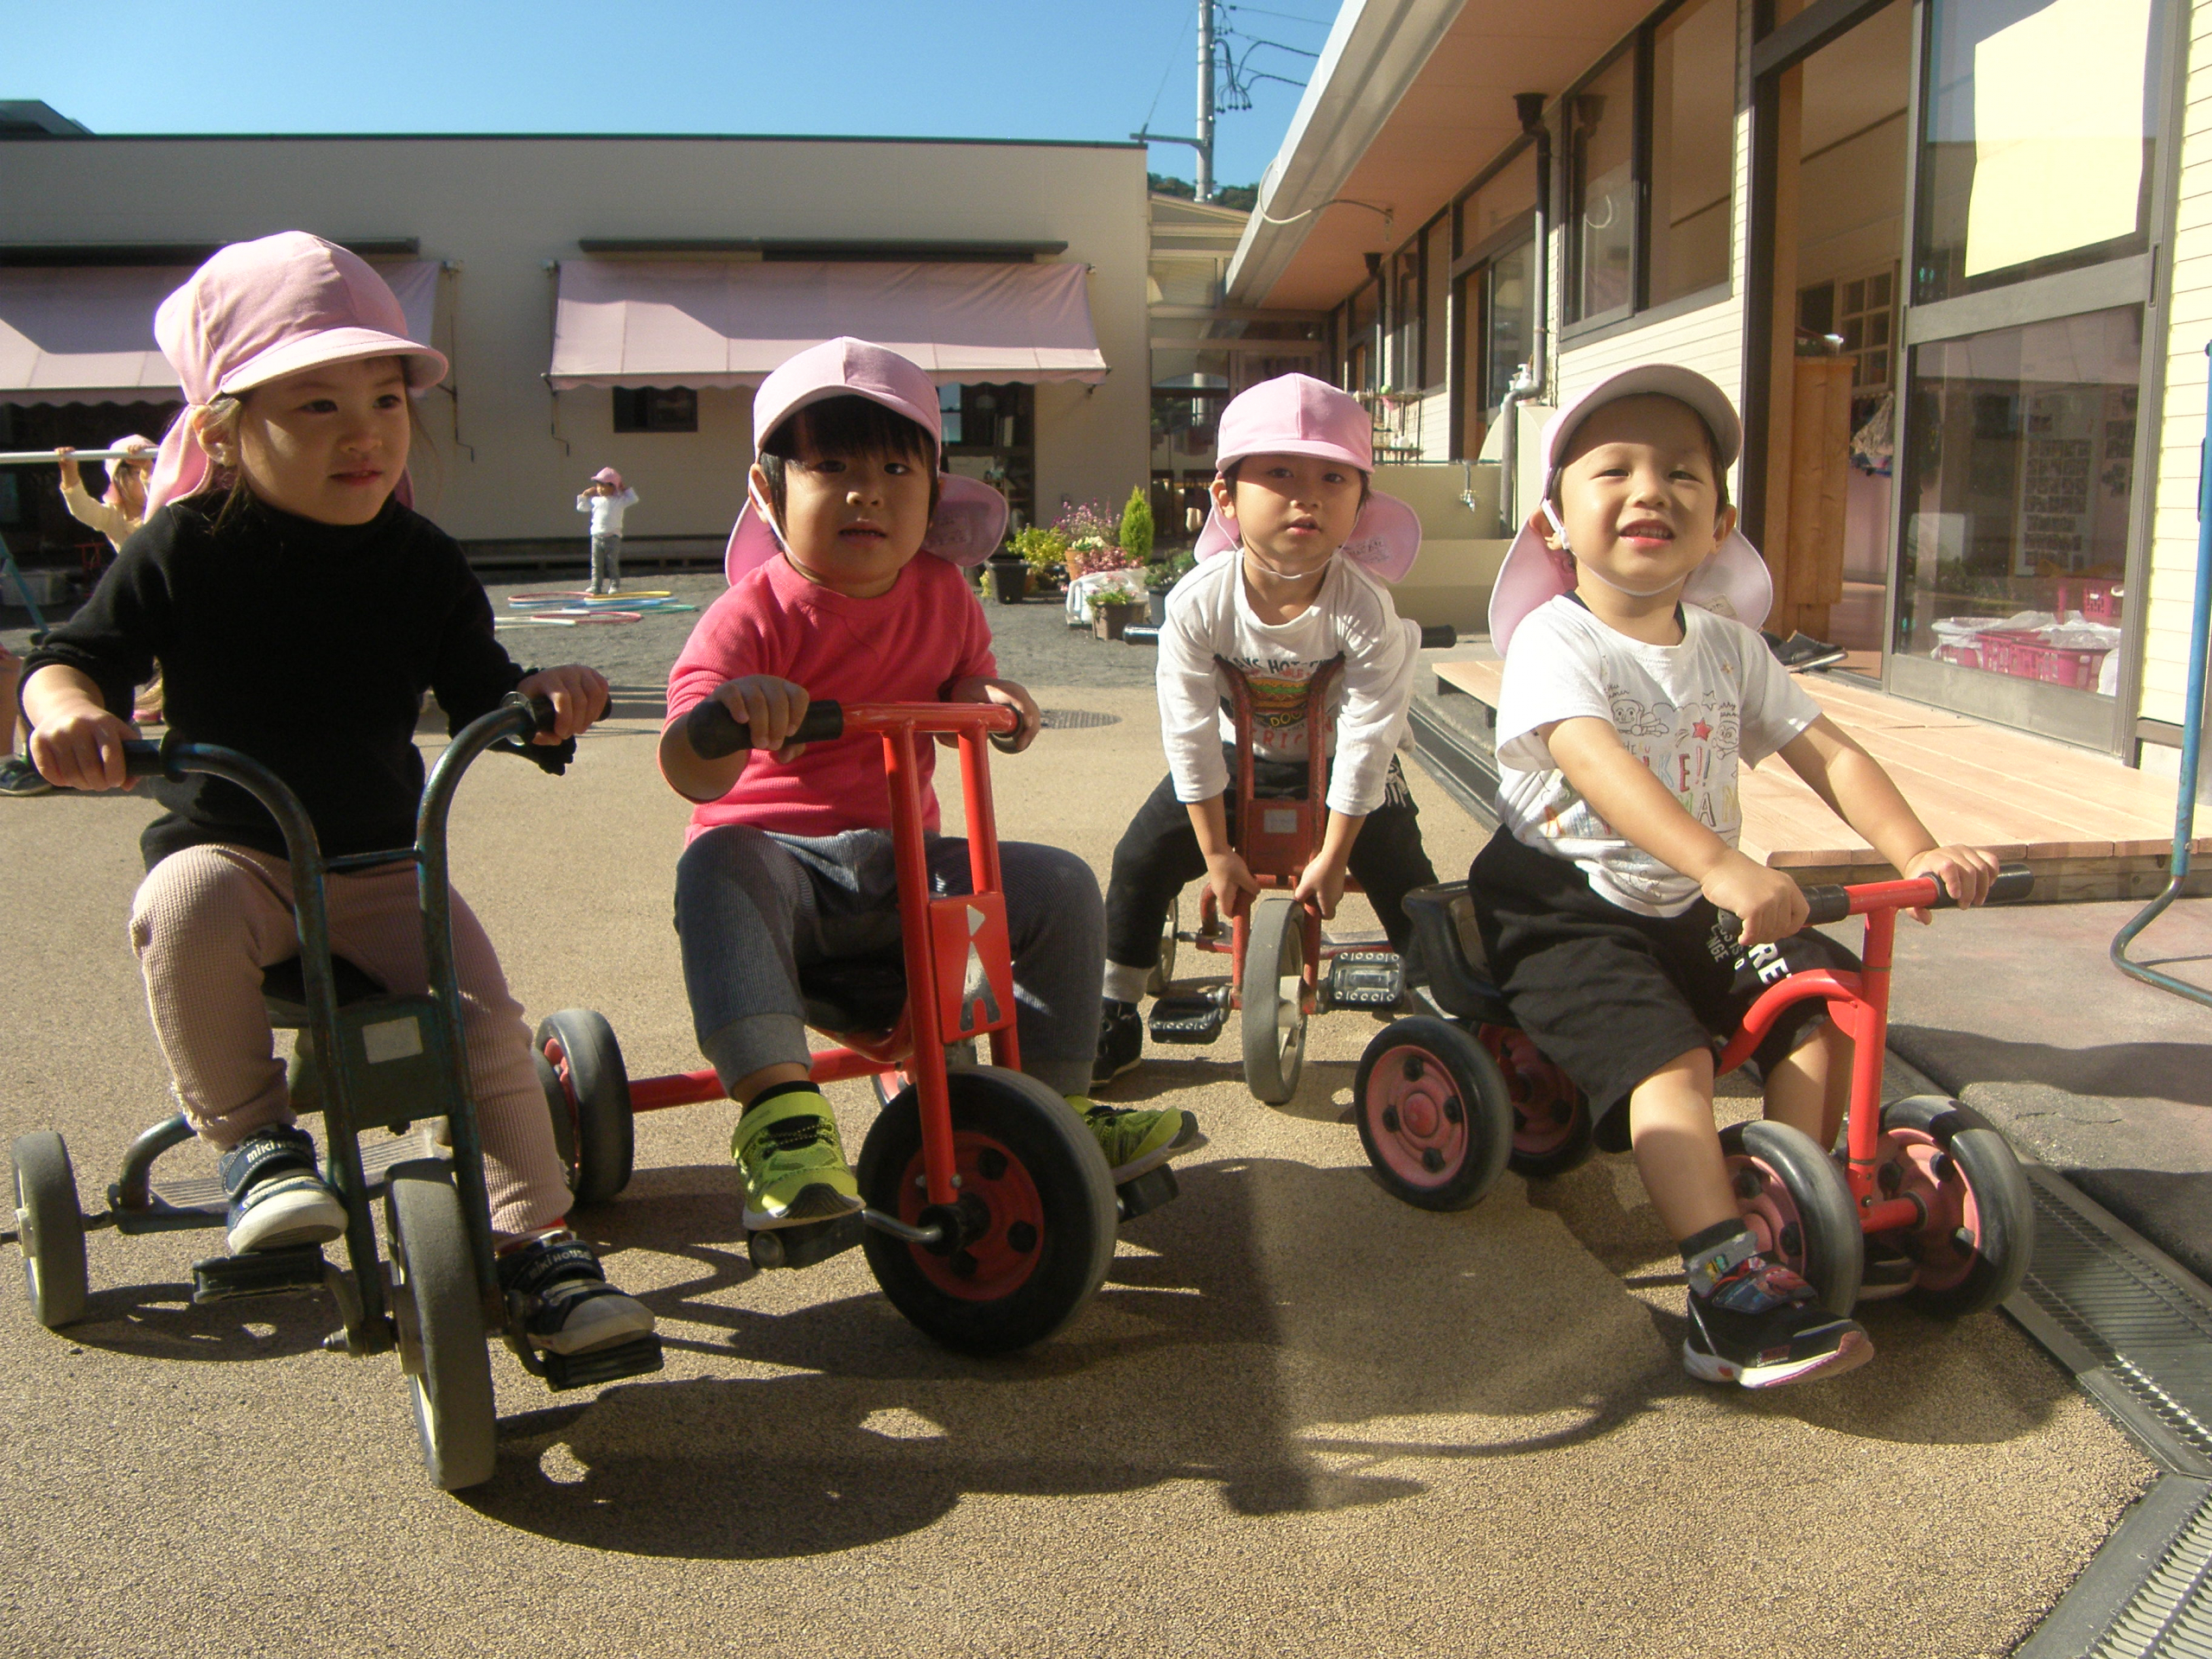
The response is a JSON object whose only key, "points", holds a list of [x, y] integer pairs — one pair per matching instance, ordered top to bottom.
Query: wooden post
{"points": [[1782, 381], [1820, 475]]}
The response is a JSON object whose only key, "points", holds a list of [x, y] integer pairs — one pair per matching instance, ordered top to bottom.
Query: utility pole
{"points": [[1204, 142], [1205, 192]]}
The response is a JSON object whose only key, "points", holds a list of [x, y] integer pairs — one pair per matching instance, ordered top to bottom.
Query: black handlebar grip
{"points": [[1141, 634], [1442, 636], [714, 731], [142, 759], [2014, 882], [1826, 904]]}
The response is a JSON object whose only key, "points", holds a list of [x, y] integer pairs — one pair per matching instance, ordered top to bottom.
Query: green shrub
{"points": [[1136, 526]]}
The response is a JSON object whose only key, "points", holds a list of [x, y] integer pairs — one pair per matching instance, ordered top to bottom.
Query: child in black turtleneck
{"points": [[300, 610]]}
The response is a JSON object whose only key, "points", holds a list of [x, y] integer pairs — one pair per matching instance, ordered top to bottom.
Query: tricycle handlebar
{"points": [[1441, 637], [713, 731], [1832, 904]]}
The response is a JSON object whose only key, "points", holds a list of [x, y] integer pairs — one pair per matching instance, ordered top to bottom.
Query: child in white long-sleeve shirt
{"points": [[1291, 494], [606, 498]]}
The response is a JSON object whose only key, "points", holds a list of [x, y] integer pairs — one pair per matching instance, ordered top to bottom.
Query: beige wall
{"points": [[503, 207]]}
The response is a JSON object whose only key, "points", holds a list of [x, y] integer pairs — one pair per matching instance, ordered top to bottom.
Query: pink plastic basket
{"points": [[2097, 601], [2025, 657]]}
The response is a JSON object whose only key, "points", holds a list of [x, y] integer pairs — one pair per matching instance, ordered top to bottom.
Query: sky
{"points": [[932, 68]]}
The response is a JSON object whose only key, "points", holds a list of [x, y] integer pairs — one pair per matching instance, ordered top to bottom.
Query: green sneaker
{"points": [[1135, 1141], [794, 1167]]}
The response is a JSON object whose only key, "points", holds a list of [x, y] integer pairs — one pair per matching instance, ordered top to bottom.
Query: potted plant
{"points": [[1036, 551], [1161, 576], [1113, 604]]}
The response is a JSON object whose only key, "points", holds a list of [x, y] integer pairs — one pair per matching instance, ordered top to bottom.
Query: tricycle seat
{"points": [[1447, 955], [285, 990], [854, 993]]}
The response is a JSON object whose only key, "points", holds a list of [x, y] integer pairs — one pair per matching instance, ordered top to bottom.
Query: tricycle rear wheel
{"points": [[1163, 974], [1274, 1023], [588, 1093], [1432, 1112], [1552, 1131], [1036, 1185], [50, 1228], [1975, 1249], [440, 1320]]}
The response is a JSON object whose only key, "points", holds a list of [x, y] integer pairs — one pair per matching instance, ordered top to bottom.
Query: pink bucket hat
{"points": [[257, 311], [1297, 415], [608, 475], [970, 518], [1733, 582]]}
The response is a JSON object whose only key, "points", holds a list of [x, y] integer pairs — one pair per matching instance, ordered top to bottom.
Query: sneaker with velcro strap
{"points": [[1137, 1140], [793, 1164], [278, 1196], [559, 1294], [1761, 1326]]}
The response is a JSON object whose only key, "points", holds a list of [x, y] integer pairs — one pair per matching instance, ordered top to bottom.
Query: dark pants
{"points": [[1158, 856]]}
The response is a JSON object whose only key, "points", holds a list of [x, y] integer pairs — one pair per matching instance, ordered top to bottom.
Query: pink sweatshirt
{"points": [[907, 646]]}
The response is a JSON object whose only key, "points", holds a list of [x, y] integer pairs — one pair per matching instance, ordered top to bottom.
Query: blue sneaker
{"points": [[277, 1196], [556, 1287]]}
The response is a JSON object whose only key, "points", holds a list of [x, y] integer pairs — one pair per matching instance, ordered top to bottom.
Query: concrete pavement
{"points": [[1301, 1417]]}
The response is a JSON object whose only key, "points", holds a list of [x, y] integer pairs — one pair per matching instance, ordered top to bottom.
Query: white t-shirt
{"points": [[607, 511], [1209, 616], [1690, 713]]}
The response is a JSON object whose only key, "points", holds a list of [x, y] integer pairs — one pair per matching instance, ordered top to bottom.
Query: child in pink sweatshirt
{"points": [[789, 862]]}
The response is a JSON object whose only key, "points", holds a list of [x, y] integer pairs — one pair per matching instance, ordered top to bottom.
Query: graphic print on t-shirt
{"points": [[1278, 686], [1691, 750]]}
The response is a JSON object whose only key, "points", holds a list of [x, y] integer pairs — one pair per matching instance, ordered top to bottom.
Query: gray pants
{"points": [[606, 564], [753, 911]]}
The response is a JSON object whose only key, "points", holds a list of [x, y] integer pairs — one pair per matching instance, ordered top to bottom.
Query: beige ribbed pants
{"points": [[208, 919]]}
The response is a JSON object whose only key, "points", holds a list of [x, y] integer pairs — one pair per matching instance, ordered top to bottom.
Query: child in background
{"points": [[1290, 493], [606, 498], [122, 508], [301, 610], [1630, 700], [17, 776], [789, 860]]}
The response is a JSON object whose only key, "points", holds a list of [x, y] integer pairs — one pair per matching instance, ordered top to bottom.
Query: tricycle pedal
{"points": [[1367, 979], [1191, 1019], [1147, 1192], [805, 1245], [257, 1273], [588, 1370]]}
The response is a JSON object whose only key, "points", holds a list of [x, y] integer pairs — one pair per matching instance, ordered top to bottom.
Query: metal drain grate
{"points": [[1070, 720], [2147, 1341], [2170, 1617]]}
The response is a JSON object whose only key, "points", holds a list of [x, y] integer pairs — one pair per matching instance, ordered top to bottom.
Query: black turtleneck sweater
{"points": [[306, 645]]}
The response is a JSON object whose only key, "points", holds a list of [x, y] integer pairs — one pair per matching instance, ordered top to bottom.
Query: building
{"points": [[1949, 256], [604, 301]]}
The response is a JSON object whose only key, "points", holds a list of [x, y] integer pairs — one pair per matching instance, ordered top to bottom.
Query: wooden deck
{"points": [[2092, 828]]}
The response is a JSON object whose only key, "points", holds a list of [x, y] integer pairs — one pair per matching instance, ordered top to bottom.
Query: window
{"points": [[2039, 138], [1692, 149], [1650, 175], [1601, 193], [1436, 265], [1498, 302], [1861, 312], [1359, 365], [1403, 371], [656, 409], [948, 412], [990, 433], [2017, 478]]}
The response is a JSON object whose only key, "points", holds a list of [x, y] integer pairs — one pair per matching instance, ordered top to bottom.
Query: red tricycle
{"points": [[1283, 967], [1928, 1176], [991, 1213]]}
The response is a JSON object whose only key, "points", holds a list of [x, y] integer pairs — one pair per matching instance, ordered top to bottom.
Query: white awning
{"points": [[728, 323], [85, 333]]}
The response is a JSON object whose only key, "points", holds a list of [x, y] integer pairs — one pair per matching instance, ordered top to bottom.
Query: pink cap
{"points": [[257, 311], [1297, 415], [608, 475], [970, 518], [1733, 581]]}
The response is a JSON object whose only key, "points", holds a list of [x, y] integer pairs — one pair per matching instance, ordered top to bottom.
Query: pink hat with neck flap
{"points": [[258, 311], [1297, 415], [970, 517], [1733, 580]]}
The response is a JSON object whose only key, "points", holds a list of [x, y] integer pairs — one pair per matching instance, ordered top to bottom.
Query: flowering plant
{"points": [[1092, 540], [1123, 590]]}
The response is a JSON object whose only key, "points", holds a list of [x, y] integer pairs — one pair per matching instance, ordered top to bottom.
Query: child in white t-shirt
{"points": [[1291, 495], [1630, 703]]}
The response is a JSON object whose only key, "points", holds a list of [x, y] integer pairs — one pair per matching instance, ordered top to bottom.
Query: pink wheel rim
{"points": [[1537, 1088], [1416, 1120], [1948, 1199], [1768, 1210], [1000, 1261]]}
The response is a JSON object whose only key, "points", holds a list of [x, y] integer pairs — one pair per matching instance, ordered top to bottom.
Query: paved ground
{"points": [[1301, 1417]]}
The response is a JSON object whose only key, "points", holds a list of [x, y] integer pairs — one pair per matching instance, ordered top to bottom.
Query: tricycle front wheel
{"points": [[1272, 986], [587, 1095], [1797, 1206], [1037, 1214], [50, 1228], [1973, 1250], [440, 1320]]}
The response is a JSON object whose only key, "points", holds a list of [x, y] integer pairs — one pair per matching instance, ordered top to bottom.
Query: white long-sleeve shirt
{"points": [[607, 511], [1209, 616]]}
